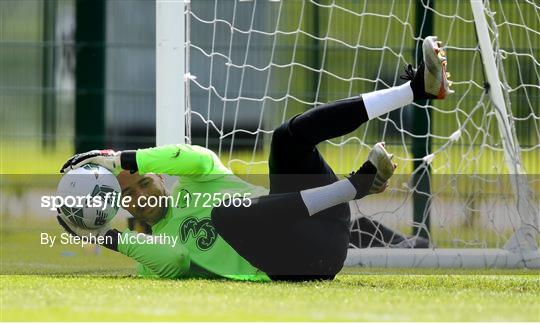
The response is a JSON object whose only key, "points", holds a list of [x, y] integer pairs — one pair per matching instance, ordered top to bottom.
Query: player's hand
{"points": [[108, 159], [76, 231], [110, 235]]}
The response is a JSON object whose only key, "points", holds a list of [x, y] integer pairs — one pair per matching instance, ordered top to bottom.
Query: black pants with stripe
{"points": [[275, 234]]}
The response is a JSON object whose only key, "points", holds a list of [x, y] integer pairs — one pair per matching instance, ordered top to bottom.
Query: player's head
{"points": [[135, 186]]}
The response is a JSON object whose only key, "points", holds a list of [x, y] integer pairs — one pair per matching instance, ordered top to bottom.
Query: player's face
{"points": [[140, 188]]}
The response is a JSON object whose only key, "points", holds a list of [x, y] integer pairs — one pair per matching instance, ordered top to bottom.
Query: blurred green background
{"points": [[38, 88]]}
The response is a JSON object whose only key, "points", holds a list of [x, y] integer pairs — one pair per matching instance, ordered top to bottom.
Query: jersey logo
{"points": [[177, 154], [184, 195], [202, 230]]}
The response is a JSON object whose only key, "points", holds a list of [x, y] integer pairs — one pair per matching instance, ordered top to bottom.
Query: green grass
{"points": [[71, 283], [348, 298]]}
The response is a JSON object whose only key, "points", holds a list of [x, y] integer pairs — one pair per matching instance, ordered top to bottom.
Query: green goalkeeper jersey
{"points": [[199, 248]]}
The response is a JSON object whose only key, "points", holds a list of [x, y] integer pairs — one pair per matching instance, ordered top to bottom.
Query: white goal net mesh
{"points": [[255, 64]]}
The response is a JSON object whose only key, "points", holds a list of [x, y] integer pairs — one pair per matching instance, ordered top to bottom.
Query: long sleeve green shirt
{"points": [[200, 248]]}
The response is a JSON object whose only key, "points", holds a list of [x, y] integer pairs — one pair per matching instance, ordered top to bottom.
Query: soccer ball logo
{"points": [[91, 190]]}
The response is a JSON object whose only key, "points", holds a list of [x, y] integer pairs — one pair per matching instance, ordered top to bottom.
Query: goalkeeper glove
{"points": [[109, 159], [110, 235]]}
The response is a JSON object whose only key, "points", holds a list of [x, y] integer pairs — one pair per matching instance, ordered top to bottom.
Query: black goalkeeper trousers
{"points": [[275, 234]]}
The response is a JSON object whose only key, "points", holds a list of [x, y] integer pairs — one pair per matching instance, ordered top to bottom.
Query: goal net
{"points": [[468, 166]]}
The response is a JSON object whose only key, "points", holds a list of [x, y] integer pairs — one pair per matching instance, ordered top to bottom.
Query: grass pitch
{"points": [[71, 283], [76, 284], [373, 297]]}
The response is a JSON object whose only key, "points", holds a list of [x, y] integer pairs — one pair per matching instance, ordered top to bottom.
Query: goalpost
{"points": [[170, 70], [234, 70]]}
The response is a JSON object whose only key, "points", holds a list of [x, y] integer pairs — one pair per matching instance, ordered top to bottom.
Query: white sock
{"points": [[384, 101], [321, 198]]}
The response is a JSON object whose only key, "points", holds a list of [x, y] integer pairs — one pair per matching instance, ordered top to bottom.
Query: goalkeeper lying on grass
{"points": [[300, 230]]}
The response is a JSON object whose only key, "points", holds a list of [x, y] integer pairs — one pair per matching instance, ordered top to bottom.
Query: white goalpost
{"points": [[254, 64], [170, 70]]}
